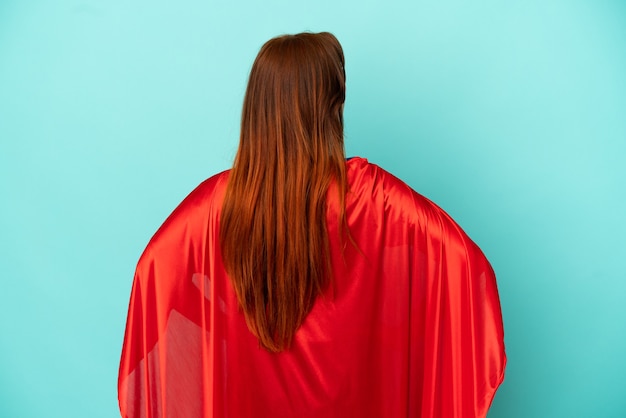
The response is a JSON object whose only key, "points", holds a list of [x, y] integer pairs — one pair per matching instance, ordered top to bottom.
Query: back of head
{"points": [[297, 83], [272, 228]]}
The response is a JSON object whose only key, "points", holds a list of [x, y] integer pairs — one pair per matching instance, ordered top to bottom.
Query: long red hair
{"points": [[273, 233]]}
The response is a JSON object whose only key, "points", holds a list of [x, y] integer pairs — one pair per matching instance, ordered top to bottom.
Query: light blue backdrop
{"points": [[510, 115]]}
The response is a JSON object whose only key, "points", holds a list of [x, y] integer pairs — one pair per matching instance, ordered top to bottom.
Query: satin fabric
{"points": [[410, 327]]}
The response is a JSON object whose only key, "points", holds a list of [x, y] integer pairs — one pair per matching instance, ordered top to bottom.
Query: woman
{"points": [[299, 284]]}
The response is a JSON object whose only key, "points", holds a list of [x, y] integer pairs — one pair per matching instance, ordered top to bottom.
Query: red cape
{"points": [[410, 327]]}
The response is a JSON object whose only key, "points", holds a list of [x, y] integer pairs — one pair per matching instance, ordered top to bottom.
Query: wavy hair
{"points": [[273, 233]]}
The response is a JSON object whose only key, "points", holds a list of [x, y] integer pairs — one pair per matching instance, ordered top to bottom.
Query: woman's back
{"points": [[409, 327]]}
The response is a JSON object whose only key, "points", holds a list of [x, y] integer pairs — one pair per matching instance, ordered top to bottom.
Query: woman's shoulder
{"points": [[362, 173], [370, 181], [371, 184], [206, 192], [192, 214]]}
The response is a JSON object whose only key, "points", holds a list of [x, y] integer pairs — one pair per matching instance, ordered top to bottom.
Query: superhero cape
{"points": [[410, 327]]}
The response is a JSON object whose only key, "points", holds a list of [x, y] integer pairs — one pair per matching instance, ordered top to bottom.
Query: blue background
{"points": [[510, 115]]}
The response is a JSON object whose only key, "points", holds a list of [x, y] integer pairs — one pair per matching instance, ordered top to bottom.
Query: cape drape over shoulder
{"points": [[410, 327]]}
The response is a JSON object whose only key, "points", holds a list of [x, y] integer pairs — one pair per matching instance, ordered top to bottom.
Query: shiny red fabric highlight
{"points": [[410, 327]]}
